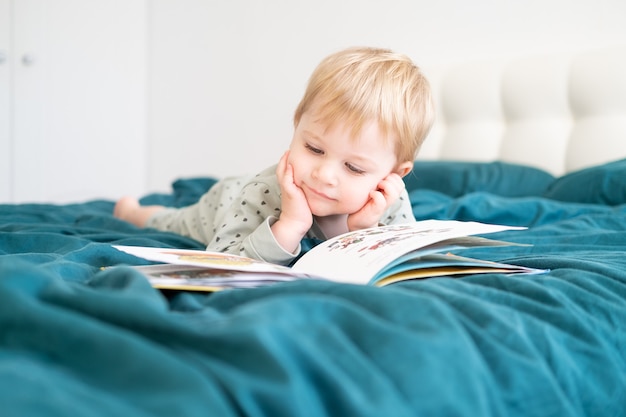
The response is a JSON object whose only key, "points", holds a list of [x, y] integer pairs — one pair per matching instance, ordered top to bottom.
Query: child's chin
{"points": [[322, 212]]}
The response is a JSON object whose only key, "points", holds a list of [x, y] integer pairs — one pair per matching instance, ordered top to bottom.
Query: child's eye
{"points": [[314, 149], [354, 169]]}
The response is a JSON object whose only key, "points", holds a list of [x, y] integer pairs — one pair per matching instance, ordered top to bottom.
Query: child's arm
{"points": [[244, 227]]}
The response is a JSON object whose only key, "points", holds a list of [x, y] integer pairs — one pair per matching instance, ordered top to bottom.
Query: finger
{"points": [[282, 163], [283, 167], [289, 174], [395, 180], [287, 182], [390, 189], [377, 202]]}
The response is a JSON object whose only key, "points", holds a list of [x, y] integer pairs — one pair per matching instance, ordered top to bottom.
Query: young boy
{"points": [[358, 128]]}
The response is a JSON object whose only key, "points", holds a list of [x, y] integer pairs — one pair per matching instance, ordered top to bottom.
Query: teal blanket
{"points": [[79, 340]]}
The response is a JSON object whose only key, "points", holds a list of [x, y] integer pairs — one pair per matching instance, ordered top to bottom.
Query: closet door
{"points": [[78, 99], [5, 101]]}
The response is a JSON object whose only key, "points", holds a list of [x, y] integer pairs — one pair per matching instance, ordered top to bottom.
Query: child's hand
{"points": [[388, 191], [295, 217]]}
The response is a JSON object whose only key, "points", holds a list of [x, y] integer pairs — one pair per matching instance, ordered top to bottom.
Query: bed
{"points": [[536, 141]]}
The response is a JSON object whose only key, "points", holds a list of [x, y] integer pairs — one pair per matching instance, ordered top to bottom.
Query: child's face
{"points": [[336, 171]]}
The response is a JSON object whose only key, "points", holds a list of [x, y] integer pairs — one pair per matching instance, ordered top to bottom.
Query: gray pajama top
{"points": [[236, 213]]}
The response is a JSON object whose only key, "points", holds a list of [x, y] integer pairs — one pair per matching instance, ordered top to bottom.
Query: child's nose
{"points": [[325, 173]]}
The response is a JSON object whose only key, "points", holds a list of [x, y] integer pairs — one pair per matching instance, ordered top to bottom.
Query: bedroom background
{"points": [[104, 98]]}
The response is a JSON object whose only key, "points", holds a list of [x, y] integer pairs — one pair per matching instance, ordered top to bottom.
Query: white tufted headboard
{"points": [[559, 113]]}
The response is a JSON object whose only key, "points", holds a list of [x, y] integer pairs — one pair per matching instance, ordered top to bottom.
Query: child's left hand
{"points": [[388, 191]]}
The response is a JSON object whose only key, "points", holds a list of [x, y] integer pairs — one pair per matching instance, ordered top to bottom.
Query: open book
{"points": [[377, 256]]}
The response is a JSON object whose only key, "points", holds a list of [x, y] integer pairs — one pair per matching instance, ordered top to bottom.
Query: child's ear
{"points": [[404, 168]]}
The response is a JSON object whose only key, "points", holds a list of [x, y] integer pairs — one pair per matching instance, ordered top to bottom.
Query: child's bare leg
{"points": [[129, 209]]}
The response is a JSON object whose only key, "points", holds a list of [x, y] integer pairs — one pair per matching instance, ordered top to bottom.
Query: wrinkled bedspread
{"points": [[78, 340]]}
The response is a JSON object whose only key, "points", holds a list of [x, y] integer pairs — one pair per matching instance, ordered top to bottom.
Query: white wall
{"points": [[225, 76], [72, 99], [6, 165]]}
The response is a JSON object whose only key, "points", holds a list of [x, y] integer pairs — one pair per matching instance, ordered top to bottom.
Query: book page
{"points": [[356, 257], [206, 259], [201, 278]]}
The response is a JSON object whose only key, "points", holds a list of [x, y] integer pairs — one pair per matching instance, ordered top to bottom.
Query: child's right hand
{"points": [[295, 218]]}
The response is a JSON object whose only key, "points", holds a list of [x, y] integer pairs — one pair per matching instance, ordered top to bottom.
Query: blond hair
{"points": [[360, 84]]}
